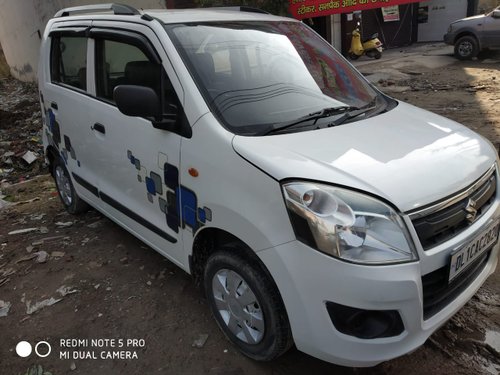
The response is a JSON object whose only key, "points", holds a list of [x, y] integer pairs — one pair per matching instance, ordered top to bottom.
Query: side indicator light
{"points": [[193, 172]]}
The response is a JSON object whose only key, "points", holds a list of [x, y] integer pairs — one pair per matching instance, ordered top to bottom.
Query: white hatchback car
{"points": [[312, 208]]}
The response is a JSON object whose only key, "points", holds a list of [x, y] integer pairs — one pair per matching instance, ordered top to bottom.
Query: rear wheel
{"points": [[466, 48], [353, 56], [66, 190], [246, 305]]}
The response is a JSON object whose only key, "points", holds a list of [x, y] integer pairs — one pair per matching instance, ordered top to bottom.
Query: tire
{"points": [[466, 48], [377, 54], [353, 56], [69, 198], [247, 306]]}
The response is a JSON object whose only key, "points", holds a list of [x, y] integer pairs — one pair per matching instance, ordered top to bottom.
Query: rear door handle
{"points": [[54, 105], [99, 128]]}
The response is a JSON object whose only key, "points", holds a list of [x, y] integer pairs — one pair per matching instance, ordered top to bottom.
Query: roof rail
{"points": [[118, 9], [241, 9]]}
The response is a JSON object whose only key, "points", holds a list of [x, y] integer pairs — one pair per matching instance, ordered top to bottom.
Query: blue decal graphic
{"points": [[53, 134], [174, 200]]}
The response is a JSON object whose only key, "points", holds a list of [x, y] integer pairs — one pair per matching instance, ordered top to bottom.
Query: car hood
{"points": [[472, 19], [408, 156]]}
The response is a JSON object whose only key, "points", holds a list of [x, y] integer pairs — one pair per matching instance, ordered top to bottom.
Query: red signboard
{"points": [[316, 8]]}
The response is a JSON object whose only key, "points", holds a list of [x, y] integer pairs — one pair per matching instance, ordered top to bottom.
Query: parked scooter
{"points": [[371, 47]]}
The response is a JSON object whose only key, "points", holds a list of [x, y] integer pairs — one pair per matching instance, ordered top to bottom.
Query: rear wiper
{"points": [[326, 112]]}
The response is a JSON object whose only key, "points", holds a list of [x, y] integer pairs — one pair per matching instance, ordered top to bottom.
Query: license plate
{"points": [[470, 252]]}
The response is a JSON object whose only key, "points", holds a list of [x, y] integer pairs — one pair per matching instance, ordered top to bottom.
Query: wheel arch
{"points": [[468, 33], [51, 154], [208, 240]]}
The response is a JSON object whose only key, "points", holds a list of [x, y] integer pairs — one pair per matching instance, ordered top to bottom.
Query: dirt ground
{"points": [[99, 282]]}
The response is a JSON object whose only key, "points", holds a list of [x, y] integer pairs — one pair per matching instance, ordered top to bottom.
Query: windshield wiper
{"points": [[326, 112], [349, 115]]}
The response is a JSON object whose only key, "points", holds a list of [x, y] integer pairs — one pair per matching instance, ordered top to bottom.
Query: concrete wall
{"points": [[440, 13], [22, 23]]}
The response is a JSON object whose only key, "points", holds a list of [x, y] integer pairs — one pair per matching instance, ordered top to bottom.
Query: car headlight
{"points": [[347, 225]]}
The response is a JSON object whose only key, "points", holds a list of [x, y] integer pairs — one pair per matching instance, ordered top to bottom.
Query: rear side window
{"points": [[69, 61], [123, 64]]}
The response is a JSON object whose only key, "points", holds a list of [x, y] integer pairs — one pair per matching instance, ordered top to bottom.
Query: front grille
{"points": [[439, 226], [438, 293]]}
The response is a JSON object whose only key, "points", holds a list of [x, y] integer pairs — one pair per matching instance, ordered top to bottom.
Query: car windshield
{"points": [[258, 75]]}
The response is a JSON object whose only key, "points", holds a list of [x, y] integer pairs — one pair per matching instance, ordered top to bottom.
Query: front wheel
{"points": [[466, 48], [69, 198], [246, 305]]}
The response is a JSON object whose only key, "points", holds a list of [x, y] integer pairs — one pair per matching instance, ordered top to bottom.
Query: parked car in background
{"points": [[473, 34]]}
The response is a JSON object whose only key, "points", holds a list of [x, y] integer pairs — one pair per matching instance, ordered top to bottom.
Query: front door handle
{"points": [[99, 128]]}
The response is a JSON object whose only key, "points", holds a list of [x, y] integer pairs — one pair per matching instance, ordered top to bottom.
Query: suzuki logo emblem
{"points": [[471, 211]]}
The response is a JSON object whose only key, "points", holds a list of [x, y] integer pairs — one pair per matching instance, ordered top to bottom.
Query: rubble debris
{"points": [[20, 148], [29, 157], [37, 217], [65, 224], [94, 225], [23, 231], [46, 239], [57, 254], [41, 256], [26, 258], [65, 290], [4, 308], [30, 309], [200, 341], [72, 367]]}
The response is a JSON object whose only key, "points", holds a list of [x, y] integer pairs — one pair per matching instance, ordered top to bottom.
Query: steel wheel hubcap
{"points": [[465, 48], [64, 186], [238, 306]]}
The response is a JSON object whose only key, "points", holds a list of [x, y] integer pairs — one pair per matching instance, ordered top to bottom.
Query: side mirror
{"points": [[496, 13], [137, 101], [142, 101]]}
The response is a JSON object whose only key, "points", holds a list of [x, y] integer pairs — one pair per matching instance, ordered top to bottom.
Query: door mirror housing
{"points": [[496, 13], [137, 101], [142, 101]]}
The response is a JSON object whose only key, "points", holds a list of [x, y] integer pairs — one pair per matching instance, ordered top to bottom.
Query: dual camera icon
{"points": [[42, 349]]}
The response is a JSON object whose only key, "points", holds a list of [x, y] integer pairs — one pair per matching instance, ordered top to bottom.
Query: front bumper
{"points": [[449, 38], [308, 279]]}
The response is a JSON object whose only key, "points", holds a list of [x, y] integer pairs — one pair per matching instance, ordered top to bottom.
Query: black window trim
{"points": [[128, 37], [136, 39]]}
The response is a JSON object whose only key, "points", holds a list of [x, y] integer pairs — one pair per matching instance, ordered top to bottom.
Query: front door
{"points": [[491, 31], [137, 162]]}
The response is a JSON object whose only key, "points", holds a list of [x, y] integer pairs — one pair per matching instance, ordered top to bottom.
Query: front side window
{"points": [[69, 61], [123, 64], [256, 75]]}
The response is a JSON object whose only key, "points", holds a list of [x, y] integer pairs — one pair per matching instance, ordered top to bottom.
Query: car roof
{"points": [[210, 15]]}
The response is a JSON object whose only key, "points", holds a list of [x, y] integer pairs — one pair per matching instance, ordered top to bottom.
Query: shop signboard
{"points": [[301, 9]]}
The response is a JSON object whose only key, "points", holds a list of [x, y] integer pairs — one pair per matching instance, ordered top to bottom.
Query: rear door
{"points": [[66, 104], [137, 163]]}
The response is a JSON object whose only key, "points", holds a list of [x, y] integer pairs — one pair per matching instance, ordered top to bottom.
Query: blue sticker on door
{"points": [[177, 202]]}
